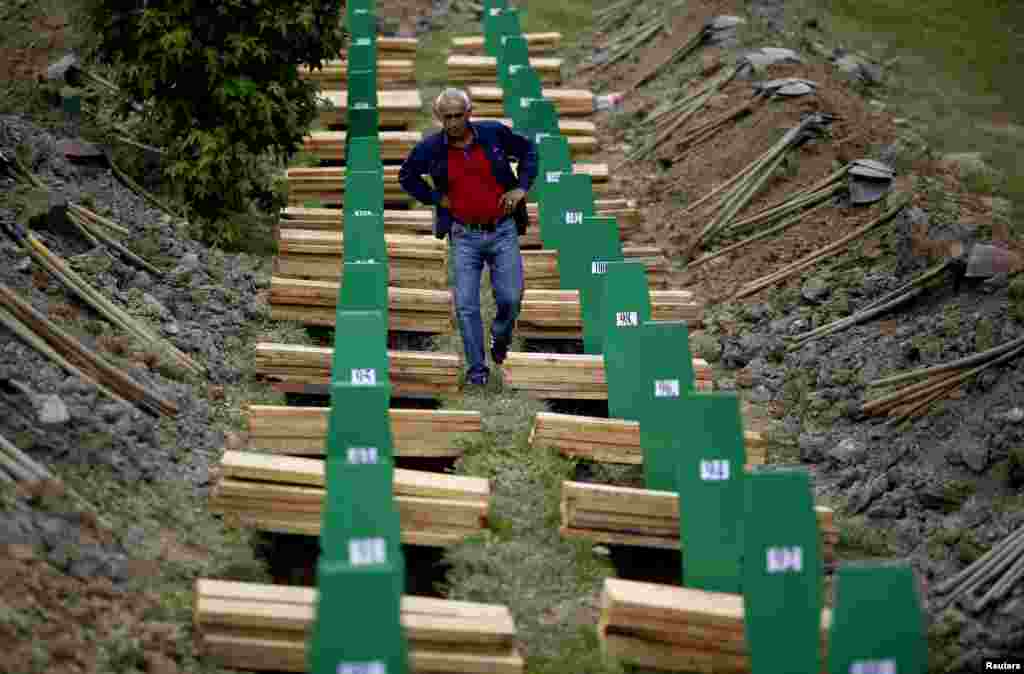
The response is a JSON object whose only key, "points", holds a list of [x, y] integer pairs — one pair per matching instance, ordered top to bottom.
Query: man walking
{"points": [[481, 205]]}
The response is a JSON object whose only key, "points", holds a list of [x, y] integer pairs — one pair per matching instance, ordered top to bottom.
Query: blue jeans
{"points": [[500, 251]]}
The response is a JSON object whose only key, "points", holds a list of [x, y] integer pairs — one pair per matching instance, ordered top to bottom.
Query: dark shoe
{"points": [[498, 351], [474, 385]]}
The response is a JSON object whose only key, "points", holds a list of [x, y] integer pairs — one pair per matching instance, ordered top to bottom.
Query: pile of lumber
{"points": [[536, 43], [393, 47], [470, 69], [334, 74], [489, 102], [396, 108], [567, 127], [330, 145], [327, 183], [420, 221], [413, 261], [540, 267], [315, 303], [555, 314], [411, 372], [570, 375], [284, 429], [611, 440], [285, 494], [614, 515], [259, 627], [676, 628]]}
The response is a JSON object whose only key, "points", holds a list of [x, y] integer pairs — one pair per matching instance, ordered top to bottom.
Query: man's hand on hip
{"points": [[511, 199]]}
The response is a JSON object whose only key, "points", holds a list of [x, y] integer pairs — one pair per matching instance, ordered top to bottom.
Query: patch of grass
{"points": [[858, 539]]}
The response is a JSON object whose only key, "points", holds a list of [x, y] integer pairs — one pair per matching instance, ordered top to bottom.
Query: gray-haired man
{"points": [[481, 205]]}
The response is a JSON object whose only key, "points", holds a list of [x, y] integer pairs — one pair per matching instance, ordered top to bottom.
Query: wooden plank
{"points": [[536, 43], [474, 69], [391, 73], [487, 101], [396, 108], [330, 145], [559, 311]]}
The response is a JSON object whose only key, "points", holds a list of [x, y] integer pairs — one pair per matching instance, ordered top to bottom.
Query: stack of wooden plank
{"points": [[536, 43], [394, 47], [471, 69], [391, 73], [488, 101], [397, 108], [567, 127], [330, 145], [396, 145], [327, 183], [420, 221], [413, 261], [540, 267], [315, 303], [555, 314], [411, 372], [571, 375], [284, 429], [611, 440], [285, 494], [614, 515], [260, 627], [678, 629]]}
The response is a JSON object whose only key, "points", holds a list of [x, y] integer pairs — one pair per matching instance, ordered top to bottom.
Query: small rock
{"points": [[60, 69], [190, 261], [24, 265], [815, 291], [155, 305], [172, 328], [759, 394], [52, 410], [111, 412], [1013, 416], [812, 447], [848, 452], [975, 456], [865, 496]]}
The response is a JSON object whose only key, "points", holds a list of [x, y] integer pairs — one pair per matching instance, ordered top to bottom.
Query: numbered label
{"points": [[495, 11], [504, 39], [363, 42], [514, 68], [524, 102], [361, 106], [539, 137], [553, 176], [361, 212], [574, 217], [598, 267], [627, 319], [364, 376], [666, 388], [362, 455], [714, 470], [364, 551], [785, 559], [376, 667], [873, 667]]}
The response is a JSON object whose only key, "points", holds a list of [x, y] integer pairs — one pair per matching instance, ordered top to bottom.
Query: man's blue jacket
{"points": [[500, 143]]}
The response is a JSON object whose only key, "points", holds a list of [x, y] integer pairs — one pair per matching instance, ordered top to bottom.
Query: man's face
{"points": [[454, 117]]}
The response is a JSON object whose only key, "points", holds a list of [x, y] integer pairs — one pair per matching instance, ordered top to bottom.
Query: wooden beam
{"points": [[536, 43], [467, 68], [391, 74], [487, 101], [396, 108], [556, 314], [415, 433], [610, 440]]}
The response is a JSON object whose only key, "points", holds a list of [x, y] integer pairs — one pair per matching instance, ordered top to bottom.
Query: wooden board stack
{"points": [[536, 43], [393, 47], [471, 69], [391, 73], [488, 101], [398, 109], [567, 127], [330, 145], [396, 145], [327, 183], [420, 221], [413, 261], [540, 267], [312, 302], [555, 314], [411, 372], [570, 375], [283, 429], [611, 440], [285, 494], [627, 516], [260, 627], [677, 628]]}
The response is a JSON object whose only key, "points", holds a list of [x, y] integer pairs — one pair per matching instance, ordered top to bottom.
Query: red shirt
{"points": [[473, 191]]}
